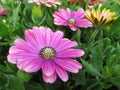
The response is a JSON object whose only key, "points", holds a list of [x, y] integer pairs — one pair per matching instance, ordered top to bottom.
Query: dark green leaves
{"points": [[14, 83]]}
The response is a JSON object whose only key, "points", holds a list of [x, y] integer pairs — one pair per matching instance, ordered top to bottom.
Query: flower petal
{"points": [[79, 14], [84, 23], [39, 34], [49, 36], [57, 36], [30, 37], [21, 44], [65, 44], [70, 53], [30, 65], [69, 65], [48, 68], [62, 74], [49, 79]]}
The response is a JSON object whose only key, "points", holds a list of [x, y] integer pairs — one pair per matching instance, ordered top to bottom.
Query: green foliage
{"points": [[101, 62], [25, 77], [14, 83], [34, 86]]}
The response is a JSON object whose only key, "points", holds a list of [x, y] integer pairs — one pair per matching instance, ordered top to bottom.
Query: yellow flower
{"points": [[99, 18]]}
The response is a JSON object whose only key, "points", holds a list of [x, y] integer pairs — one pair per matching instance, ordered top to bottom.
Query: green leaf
{"points": [[15, 17], [4, 31], [77, 36], [107, 42], [97, 56], [10, 67], [2, 68], [90, 69], [116, 70], [107, 72], [24, 76], [79, 78], [3, 81], [116, 81], [14, 83], [93, 85], [105, 85], [34, 86]]}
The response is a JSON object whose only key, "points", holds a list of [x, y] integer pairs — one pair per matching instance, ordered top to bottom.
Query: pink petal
{"points": [[68, 12], [64, 13], [79, 14], [61, 17], [59, 21], [84, 23], [73, 27], [39, 34], [49, 36], [57, 36], [30, 37], [21, 44], [65, 44], [14, 49], [16, 53], [70, 53], [11, 59], [69, 65], [30, 66], [48, 68], [62, 74], [49, 79]]}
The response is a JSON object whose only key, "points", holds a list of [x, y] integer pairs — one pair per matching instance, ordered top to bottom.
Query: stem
{"points": [[93, 36]]}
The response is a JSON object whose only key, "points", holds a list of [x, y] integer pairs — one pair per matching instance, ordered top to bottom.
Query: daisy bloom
{"points": [[47, 3], [2, 11], [99, 18], [73, 19], [46, 50]]}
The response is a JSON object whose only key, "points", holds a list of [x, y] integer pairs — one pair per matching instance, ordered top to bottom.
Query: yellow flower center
{"points": [[71, 21], [47, 53]]}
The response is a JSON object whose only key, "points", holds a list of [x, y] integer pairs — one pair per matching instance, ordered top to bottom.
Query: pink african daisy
{"points": [[48, 3], [2, 11], [71, 19], [46, 50]]}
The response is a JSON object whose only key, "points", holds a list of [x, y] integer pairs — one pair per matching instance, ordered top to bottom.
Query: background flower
{"points": [[48, 3], [2, 11], [98, 17], [73, 19], [47, 50]]}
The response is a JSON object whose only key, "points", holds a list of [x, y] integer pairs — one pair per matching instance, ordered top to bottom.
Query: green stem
{"points": [[93, 36]]}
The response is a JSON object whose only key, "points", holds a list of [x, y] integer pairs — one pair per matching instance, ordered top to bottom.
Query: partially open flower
{"points": [[47, 3], [98, 17]]}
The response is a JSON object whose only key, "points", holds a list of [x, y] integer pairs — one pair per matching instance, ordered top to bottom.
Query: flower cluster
{"points": [[48, 51]]}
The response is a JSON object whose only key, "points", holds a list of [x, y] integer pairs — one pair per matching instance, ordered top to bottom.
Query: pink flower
{"points": [[48, 3], [2, 11], [71, 19], [46, 50]]}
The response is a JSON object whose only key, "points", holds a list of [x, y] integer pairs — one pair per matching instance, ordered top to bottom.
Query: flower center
{"points": [[71, 21], [47, 53]]}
